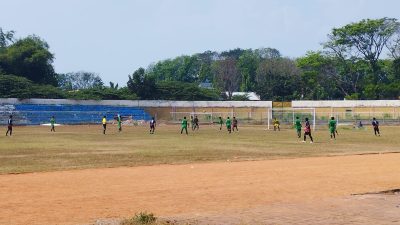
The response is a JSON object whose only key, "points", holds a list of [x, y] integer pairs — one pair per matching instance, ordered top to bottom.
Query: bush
{"points": [[103, 93], [142, 218]]}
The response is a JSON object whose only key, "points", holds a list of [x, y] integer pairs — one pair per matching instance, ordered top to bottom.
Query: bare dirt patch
{"points": [[210, 189]]}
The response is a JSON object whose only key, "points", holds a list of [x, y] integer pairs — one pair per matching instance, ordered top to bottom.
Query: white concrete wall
{"points": [[138, 103], [346, 103]]}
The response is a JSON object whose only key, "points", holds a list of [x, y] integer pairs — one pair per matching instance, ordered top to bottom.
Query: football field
{"points": [[80, 176]]}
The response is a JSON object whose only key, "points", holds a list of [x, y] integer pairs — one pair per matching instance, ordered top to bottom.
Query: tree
{"points": [[6, 38], [365, 39], [29, 57], [247, 66], [227, 75], [278, 79], [79, 80], [113, 85], [143, 85]]}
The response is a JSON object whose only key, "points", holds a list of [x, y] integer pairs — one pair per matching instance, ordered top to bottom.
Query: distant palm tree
{"points": [[6, 37], [113, 86]]}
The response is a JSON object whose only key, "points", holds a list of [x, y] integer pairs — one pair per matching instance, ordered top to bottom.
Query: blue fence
{"points": [[29, 114]]}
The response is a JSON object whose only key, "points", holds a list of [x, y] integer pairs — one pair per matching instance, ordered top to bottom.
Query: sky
{"points": [[114, 38]]}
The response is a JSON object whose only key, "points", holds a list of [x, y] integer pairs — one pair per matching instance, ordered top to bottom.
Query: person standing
{"points": [[104, 121], [119, 123], [196, 123], [221, 123], [52, 124], [228, 124], [235, 124], [276, 124], [375, 124], [9, 125], [152, 125], [184, 125], [297, 125], [332, 127], [307, 131]]}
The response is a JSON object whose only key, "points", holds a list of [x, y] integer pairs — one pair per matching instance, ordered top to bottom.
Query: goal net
{"points": [[287, 116]]}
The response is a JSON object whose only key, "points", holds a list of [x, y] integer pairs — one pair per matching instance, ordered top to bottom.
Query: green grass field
{"points": [[33, 149]]}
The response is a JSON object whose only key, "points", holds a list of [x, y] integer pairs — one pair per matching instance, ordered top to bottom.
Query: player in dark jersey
{"points": [[220, 122], [196, 123], [234, 124], [375, 124], [10, 125], [152, 125], [307, 131]]}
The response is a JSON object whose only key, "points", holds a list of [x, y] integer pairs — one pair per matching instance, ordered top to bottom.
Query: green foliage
{"points": [[29, 58], [79, 80], [20, 87], [174, 90], [102, 93], [240, 98], [142, 218]]}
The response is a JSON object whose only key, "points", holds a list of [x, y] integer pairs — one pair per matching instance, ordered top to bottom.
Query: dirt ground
{"points": [[285, 191]]}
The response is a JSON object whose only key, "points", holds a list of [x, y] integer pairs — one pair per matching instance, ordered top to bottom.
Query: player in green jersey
{"points": [[52, 122], [220, 122], [119, 123], [228, 124], [184, 125], [297, 125], [332, 127]]}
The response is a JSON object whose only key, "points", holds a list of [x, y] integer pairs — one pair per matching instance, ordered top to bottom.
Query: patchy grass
{"points": [[33, 149]]}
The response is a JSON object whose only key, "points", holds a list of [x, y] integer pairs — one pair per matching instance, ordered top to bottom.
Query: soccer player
{"points": [[104, 121], [52, 122], [191, 122], [221, 122], [119, 123], [196, 123], [228, 124], [235, 124], [276, 124], [375, 124], [10, 125], [152, 125], [184, 125], [297, 125], [332, 127], [307, 131]]}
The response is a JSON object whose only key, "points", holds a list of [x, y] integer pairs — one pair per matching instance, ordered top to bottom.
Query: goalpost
{"points": [[287, 116]]}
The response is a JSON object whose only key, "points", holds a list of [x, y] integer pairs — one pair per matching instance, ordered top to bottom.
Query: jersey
{"points": [[52, 121], [104, 121], [221, 121], [10, 122], [228, 122], [235, 122], [152, 123], [184, 123], [276, 123], [375, 123], [297, 124], [332, 125], [307, 127]]}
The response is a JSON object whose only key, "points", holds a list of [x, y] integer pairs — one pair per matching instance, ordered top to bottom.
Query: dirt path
{"points": [[82, 196]]}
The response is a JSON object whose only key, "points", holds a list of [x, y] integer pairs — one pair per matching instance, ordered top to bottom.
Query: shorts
{"points": [[104, 126], [152, 126], [9, 127], [307, 133]]}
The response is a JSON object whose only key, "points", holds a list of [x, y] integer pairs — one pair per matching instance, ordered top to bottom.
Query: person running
{"points": [[104, 121], [52, 122], [119, 123], [196, 123], [221, 123], [228, 124], [235, 124], [276, 124], [375, 124], [10, 125], [152, 125], [184, 125], [297, 125], [332, 127], [307, 131]]}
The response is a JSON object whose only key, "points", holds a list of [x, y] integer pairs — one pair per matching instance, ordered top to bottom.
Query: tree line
{"points": [[357, 61]]}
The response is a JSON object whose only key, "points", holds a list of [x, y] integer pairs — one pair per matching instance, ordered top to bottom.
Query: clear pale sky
{"points": [[114, 38]]}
